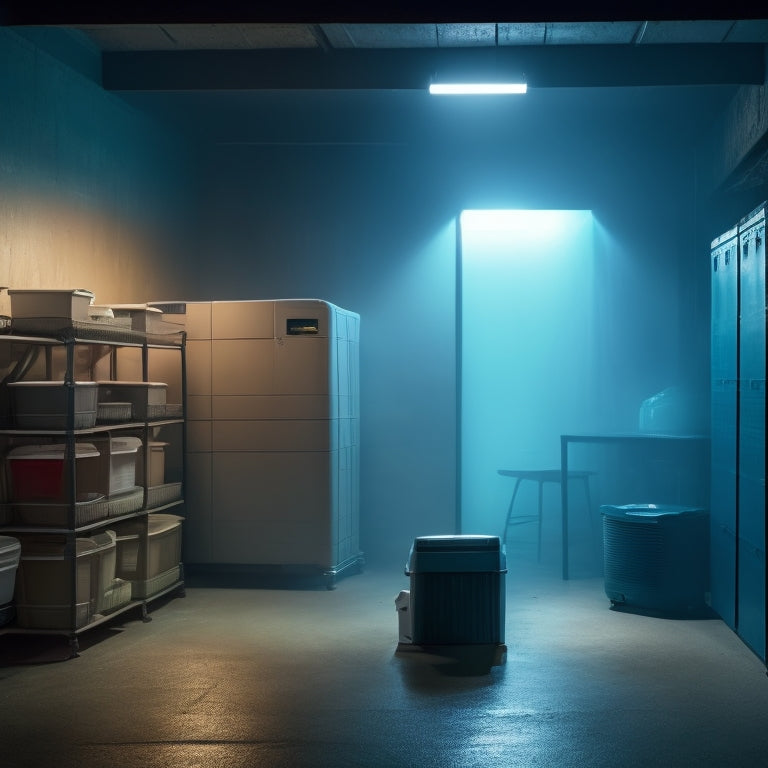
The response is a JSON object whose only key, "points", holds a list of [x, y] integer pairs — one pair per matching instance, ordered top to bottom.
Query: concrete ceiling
{"points": [[334, 36], [225, 55], [410, 56], [244, 72]]}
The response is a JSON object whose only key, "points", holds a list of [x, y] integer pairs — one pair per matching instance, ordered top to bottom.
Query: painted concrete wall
{"points": [[92, 194], [373, 229]]}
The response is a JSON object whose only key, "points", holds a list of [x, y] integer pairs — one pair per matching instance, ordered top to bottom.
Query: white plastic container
{"points": [[71, 304], [102, 314], [141, 317], [147, 398], [44, 404], [122, 463], [156, 464], [10, 552], [138, 560], [43, 593], [109, 593], [403, 608]]}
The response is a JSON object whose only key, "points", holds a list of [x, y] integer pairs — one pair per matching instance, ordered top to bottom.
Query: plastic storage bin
{"points": [[31, 305], [139, 317], [147, 398], [45, 404], [113, 412], [123, 452], [156, 463], [156, 467], [39, 473], [10, 551], [656, 556], [153, 562], [44, 582], [110, 592], [457, 593]]}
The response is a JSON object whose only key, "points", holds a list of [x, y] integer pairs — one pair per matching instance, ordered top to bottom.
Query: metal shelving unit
{"points": [[91, 352]]}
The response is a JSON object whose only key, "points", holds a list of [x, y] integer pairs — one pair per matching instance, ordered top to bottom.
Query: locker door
{"points": [[724, 319], [751, 601]]}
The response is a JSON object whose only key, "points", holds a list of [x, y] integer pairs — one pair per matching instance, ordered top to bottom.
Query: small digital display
{"points": [[302, 326]]}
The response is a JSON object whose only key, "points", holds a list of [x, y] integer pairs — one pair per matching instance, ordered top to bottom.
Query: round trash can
{"points": [[656, 556]]}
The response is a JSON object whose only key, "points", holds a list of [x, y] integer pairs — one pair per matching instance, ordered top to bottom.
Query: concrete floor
{"points": [[245, 677]]}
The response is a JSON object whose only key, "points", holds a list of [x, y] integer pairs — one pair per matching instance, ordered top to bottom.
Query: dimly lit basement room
{"points": [[382, 385]]}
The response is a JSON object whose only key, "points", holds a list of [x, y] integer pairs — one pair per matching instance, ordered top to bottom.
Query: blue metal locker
{"points": [[724, 374], [751, 585]]}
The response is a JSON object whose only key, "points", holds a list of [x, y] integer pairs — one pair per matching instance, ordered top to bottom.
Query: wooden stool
{"points": [[541, 476]]}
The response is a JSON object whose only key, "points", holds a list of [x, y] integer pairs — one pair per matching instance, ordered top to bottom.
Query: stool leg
{"points": [[541, 505], [510, 508]]}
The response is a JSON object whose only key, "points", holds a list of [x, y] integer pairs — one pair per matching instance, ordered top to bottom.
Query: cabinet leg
{"points": [[145, 617], [74, 646]]}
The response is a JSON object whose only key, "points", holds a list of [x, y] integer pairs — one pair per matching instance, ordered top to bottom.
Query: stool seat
{"points": [[545, 475], [540, 476]]}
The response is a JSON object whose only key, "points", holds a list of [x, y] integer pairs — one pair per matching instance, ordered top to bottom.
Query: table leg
{"points": [[564, 500]]}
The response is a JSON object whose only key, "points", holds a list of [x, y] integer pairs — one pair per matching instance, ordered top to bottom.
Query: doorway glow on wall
{"points": [[493, 227], [527, 348]]}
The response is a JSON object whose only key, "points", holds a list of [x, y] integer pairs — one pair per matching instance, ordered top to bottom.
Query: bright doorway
{"points": [[526, 348]]}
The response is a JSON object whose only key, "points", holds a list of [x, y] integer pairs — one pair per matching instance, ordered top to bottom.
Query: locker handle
{"points": [[714, 263]]}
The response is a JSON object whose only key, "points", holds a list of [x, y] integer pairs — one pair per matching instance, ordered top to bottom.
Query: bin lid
{"points": [[72, 291], [128, 308], [60, 383], [110, 383], [126, 444], [52, 451], [650, 512], [159, 523], [104, 539], [455, 543], [8, 545], [54, 546], [451, 554]]}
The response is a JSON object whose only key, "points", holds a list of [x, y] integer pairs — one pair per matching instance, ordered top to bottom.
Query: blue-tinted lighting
{"points": [[476, 89], [527, 352]]}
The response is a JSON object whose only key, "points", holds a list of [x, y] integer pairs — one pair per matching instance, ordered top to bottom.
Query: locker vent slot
{"points": [[302, 326]]}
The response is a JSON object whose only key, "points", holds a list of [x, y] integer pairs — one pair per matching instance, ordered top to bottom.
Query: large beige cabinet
{"points": [[273, 435]]}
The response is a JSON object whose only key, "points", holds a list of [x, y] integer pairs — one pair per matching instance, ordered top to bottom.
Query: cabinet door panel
{"points": [[751, 602]]}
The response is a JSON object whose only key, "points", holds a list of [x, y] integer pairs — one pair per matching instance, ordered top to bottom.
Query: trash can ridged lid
{"points": [[650, 512], [455, 543], [456, 554]]}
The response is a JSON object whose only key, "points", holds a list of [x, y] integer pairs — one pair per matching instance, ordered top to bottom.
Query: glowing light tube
{"points": [[451, 89]]}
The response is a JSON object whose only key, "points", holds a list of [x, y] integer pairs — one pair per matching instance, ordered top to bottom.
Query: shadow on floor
{"points": [[450, 660]]}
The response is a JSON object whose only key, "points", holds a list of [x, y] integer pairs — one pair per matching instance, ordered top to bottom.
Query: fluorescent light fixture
{"points": [[450, 89]]}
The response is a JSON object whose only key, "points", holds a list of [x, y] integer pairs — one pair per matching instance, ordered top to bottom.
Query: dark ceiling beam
{"points": [[30, 12], [540, 66]]}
